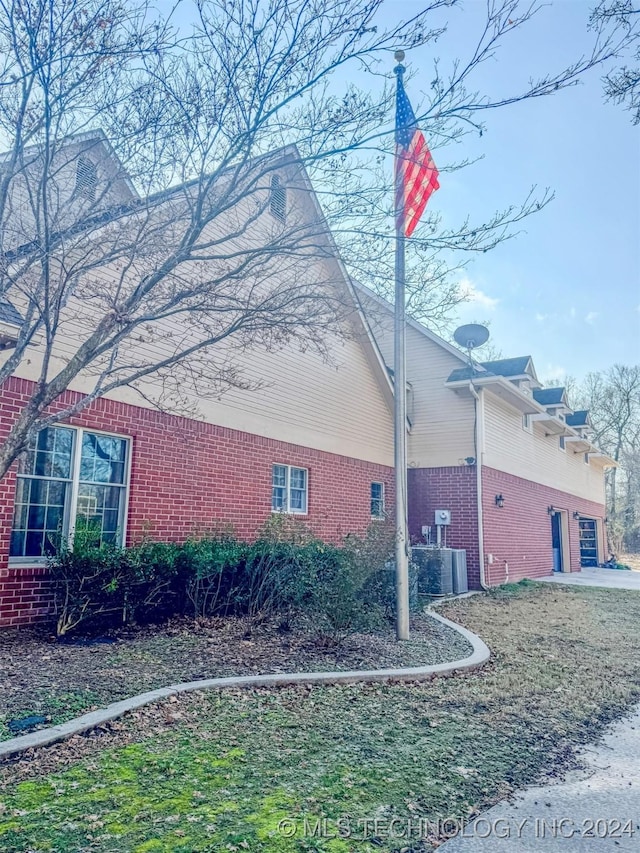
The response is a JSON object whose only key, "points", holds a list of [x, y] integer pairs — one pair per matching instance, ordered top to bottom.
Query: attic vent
{"points": [[86, 178], [278, 199]]}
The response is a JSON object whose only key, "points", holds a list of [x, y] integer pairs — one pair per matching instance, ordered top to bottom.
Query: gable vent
{"points": [[86, 178], [278, 199]]}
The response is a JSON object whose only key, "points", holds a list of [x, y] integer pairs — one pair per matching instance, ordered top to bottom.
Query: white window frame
{"points": [[527, 423], [561, 444], [287, 509], [70, 514], [382, 514]]}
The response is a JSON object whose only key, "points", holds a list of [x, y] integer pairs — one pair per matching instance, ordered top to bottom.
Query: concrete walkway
{"points": [[613, 578], [596, 809]]}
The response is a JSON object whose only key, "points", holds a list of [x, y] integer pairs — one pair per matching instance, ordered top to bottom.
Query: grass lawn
{"points": [[219, 771]]}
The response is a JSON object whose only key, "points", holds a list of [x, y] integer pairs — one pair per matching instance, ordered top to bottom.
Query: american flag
{"points": [[416, 173]]}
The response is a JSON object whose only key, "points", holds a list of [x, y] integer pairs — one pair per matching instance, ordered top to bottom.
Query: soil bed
{"points": [[41, 676]]}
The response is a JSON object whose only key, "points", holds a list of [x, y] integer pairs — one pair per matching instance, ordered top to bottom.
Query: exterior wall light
{"points": [[499, 501], [550, 510], [576, 515]]}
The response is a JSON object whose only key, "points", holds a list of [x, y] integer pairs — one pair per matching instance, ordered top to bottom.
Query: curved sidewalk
{"points": [[44, 737]]}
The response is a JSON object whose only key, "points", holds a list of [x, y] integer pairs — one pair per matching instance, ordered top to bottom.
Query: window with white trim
{"points": [[527, 423], [561, 443], [69, 479], [290, 488], [377, 500]]}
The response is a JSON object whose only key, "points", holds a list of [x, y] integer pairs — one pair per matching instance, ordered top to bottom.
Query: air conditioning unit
{"points": [[435, 570], [459, 570]]}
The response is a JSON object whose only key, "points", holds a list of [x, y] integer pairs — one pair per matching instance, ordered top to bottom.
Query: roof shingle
{"points": [[9, 314]]}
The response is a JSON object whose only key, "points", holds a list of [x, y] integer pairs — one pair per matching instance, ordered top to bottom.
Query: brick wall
{"points": [[187, 474], [451, 488], [519, 535]]}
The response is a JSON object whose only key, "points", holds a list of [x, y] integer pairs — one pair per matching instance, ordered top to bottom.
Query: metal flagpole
{"points": [[400, 405]]}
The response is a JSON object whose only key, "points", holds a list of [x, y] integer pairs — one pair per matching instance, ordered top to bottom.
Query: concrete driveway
{"points": [[597, 577], [595, 809]]}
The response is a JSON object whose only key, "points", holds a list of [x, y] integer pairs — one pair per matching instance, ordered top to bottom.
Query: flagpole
{"points": [[400, 406]]}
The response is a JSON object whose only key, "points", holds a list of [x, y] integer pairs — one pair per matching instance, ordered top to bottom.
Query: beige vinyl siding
{"points": [[333, 402], [441, 420], [534, 456]]}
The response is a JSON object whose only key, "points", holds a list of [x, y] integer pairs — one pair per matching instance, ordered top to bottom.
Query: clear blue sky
{"points": [[567, 291]]}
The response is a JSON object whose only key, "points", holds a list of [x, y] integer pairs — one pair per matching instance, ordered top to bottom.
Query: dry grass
{"points": [[632, 560], [220, 770]]}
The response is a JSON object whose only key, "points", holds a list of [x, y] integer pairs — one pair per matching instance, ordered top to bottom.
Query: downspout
{"points": [[478, 438]]}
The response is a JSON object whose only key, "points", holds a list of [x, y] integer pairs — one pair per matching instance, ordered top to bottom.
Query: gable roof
{"points": [[9, 314], [510, 366], [469, 372], [550, 396], [578, 419]]}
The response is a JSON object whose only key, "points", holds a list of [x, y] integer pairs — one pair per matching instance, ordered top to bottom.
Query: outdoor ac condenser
{"points": [[435, 569], [459, 571]]}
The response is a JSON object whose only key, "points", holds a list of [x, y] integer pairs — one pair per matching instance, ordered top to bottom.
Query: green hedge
{"points": [[286, 573]]}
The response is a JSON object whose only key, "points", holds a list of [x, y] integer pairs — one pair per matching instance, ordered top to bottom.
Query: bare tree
{"points": [[622, 86], [199, 246], [613, 400]]}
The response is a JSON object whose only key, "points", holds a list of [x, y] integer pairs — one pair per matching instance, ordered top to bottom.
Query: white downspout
{"points": [[479, 448]]}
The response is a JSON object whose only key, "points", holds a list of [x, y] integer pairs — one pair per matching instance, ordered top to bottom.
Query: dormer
{"points": [[519, 371], [554, 401], [580, 422]]}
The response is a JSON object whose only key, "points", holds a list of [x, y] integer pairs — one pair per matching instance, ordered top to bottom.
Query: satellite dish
{"points": [[471, 336]]}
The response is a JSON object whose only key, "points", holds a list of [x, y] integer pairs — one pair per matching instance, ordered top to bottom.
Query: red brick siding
{"points": [[187, 474], [453, 489], [519, 534], [24, 597]]}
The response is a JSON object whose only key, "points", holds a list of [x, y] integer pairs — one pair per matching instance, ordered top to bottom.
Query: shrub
{"points": [[212, 568], [279, 571], [287, 572], [89, 582], [155, 588], [340, 605]]}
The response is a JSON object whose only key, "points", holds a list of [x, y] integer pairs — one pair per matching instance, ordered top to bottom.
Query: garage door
{"points": [[588, 542]]}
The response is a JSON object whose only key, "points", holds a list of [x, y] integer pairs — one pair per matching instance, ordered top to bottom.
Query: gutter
{"points": [[478, 402]]}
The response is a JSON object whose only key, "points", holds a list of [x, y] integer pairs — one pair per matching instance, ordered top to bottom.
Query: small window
{"points": [[86, 178], [278, 199], [527, 423], [561, 444], [586, 458], [289, 489], [377, 500]]}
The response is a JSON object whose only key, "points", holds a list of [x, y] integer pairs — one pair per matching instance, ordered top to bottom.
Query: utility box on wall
{"points": [[443, 517]]}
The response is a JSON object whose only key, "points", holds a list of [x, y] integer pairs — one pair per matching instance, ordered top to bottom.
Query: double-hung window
{"points": [[69, 479], [290, 489], [377, 500]]}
